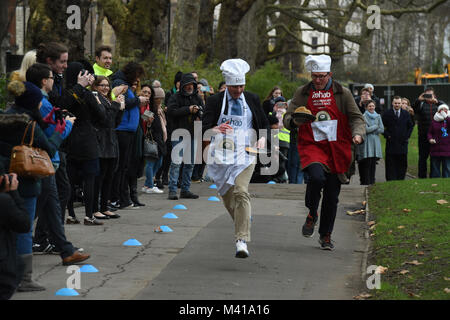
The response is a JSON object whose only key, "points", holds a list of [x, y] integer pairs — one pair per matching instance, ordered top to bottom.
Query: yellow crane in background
{"points": [[429, 78]]}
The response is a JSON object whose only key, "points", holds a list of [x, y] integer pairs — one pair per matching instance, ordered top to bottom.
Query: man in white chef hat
{"points": [[236, 113], [324, 145]]}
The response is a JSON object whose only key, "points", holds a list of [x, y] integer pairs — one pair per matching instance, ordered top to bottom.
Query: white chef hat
{"points": [[321, 63], [233, 71]]}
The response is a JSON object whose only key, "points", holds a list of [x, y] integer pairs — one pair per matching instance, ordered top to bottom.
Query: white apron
{"points": [[227, 156]]}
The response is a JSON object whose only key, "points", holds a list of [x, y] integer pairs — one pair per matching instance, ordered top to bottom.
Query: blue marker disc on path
{"points": [[179, 207], [170, 215], [132, 242], [67, 292]]}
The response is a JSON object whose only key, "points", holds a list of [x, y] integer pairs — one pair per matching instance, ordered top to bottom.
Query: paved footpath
{"points": [[196, 260]]}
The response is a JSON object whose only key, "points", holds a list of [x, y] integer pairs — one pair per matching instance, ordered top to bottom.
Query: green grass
{"points": [[425, 237]]}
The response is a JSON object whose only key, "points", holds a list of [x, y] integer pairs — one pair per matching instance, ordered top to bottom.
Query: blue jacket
{"points": [[45, 109], [131, 115], [371, 147]]}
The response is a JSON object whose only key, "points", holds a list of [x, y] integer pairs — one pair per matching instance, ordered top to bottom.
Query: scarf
{"points": [[441, 116]]}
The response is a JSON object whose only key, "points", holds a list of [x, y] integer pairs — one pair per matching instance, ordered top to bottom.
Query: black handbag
{"points": [[150, 149]]}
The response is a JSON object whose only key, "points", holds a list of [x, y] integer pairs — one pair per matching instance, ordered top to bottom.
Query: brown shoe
{"points": [[92, 222], [76, 257]]}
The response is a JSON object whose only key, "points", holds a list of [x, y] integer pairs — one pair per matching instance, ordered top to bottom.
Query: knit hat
{"points": [[159, 93], [27, 95], [278, 99], [441, 107]]}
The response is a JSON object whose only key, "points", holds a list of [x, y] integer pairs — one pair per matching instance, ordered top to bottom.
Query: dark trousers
{"points": [[424, 152], [396, 165], [367, 168], [84, 171], [163, 172], [120, 181], [317, 181], [63, 184], [103, 184], [48, 211]]}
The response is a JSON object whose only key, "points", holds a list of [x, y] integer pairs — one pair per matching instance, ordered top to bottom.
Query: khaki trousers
{"points": [[237, 202]]}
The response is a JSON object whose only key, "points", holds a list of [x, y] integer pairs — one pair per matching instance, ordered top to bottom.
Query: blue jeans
{"points": [[436, 164], [150, 170], [174, 171], [295, 172], [25, 240]]}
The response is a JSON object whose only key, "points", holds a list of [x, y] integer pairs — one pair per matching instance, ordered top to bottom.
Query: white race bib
{"points": [[325, 130]]}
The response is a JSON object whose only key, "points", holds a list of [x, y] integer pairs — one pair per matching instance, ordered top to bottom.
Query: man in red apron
{"points": [[325, 145]]}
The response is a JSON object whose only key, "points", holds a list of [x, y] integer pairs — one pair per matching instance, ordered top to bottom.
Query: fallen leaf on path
{"points": [[434, 185], [442, 201], [406, 210], [356, 212], [279, 214], [371, 223], [373, 227], [401, 227], [158, 230], [389, 232], [417, 245], [420, 253], [436, 258], [414, 263], [380, 270], [404, 272], [446, 279], [447, 290], [413, 295], [362, 296]]}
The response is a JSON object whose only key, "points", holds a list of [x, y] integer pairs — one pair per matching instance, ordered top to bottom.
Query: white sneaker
{"points": [[144, 189], [154, 190], [241, 249]]}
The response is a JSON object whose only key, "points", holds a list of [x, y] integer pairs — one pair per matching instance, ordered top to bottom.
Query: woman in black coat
{"points": [[12, 127], [108, 145], [82, 146]]}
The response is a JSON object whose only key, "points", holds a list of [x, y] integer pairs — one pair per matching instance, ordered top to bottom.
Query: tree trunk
{"points": [[231, 14], [185, 30], [252, 37], [205, 39], [336, 44], [292, 63]]}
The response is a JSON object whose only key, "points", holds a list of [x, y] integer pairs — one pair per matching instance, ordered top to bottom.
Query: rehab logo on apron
{"points": [[328, 139]]}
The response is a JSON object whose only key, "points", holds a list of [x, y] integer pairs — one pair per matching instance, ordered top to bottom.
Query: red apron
{"points": [[327, 140]]}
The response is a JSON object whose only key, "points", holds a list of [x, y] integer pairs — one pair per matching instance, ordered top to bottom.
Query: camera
{"points": [[83, 71], [205, 88], [427, 95], [200, 111], [62, 114], [147, 115], [3, 183]]}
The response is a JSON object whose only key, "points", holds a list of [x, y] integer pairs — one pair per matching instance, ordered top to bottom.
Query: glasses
{"points": [[319, 76]]}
